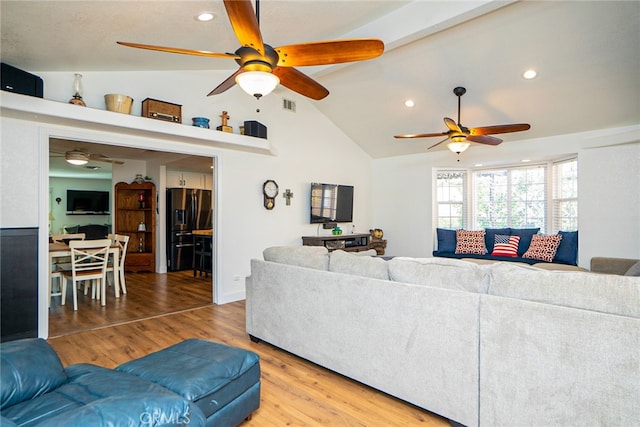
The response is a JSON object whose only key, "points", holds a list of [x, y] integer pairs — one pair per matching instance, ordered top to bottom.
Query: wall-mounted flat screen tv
{"points": [[87, 202], [331, 203]]}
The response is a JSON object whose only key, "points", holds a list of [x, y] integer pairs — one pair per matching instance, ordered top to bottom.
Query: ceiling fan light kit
{"points": [[257, 59], [257, 83], [460, 137], [458, 147], [77, 158]]}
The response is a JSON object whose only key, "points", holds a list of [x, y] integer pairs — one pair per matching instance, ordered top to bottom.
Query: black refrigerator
{"points": [[188, 209]]}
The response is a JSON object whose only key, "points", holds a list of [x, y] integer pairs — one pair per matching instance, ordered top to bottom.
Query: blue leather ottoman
{"points": [[223, 381]]}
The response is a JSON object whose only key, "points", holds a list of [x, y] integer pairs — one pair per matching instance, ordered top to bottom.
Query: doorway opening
{"points": [[149, 293]]}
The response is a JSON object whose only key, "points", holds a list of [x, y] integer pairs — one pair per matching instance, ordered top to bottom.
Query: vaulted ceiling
{"points": [[586, 55]]}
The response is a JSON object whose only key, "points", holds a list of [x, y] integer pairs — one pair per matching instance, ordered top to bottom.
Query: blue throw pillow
{"points": [[490, 236], [525, 238], [446, 240], [568, 250]]}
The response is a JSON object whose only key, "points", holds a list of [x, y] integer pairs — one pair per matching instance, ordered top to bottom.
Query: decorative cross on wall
{"points": [[288, 195]]}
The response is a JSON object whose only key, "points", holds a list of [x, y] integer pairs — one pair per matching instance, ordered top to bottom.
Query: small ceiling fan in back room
{"points": [[263, 67], [461, 136], [80, 157]]}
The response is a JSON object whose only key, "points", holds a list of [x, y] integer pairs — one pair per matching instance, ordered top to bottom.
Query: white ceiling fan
{"points": [[80, 157]]}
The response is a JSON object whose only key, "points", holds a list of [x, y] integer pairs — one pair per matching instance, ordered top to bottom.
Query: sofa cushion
{"points": [[490, 236], [525, 237], [446, 240], [470, 242], [505, 245], [543, 248], [568, 250], [368, 252], [316, 257], [348, 263], [634, 270], [439, 273], [606, 293], [29, 368], [86, 383], [131, 409]]}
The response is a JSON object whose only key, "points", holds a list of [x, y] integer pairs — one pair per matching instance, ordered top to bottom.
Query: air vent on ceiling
{"points": [[288, 104]]}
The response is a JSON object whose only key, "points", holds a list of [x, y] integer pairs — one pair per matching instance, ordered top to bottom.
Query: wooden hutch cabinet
{"points": [[136, 217]]}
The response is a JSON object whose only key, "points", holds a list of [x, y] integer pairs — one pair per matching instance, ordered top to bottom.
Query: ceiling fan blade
{"points": [[245, 23], [182, 51], [329, 52], [300, 82], [227, 84], [452, 125], [492, 130], [421, 135], [484, 139], [438, 143], [103, 158], [115, 162]]}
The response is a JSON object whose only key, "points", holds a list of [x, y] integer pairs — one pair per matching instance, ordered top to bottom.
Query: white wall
{"points": [[306, 147], [58, 188], [609, 202]]}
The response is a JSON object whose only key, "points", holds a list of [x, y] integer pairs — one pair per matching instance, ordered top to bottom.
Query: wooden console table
{"points": [[346, 242]]}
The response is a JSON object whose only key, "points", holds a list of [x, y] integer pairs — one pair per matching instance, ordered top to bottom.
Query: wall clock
{"points": [[269, 191]]}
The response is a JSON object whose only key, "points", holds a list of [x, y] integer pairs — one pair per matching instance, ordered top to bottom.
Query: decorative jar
{"points": [[201, 122]]}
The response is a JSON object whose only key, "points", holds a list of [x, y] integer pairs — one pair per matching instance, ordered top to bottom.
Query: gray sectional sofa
{"points": [[482, 345]]}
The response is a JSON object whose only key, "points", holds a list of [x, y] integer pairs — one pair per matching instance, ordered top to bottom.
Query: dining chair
{"points": [[123, 242], [88, 262], [60, 264]]}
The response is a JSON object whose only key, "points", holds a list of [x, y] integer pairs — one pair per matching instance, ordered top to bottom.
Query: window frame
{"points": [[470, 203]]}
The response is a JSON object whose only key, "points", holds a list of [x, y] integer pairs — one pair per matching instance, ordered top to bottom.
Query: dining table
{"points": [[61, 250]]}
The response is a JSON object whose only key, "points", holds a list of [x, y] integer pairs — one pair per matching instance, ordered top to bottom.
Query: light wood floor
{"points": [[148, 295], [294, 392]]}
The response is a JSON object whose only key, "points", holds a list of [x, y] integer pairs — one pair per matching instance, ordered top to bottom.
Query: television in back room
{"points": [[87, 202], [331, 203]]}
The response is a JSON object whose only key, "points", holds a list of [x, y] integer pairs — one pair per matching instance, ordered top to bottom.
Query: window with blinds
{"points": [[543, 195], [565, 195], [513, 197], [451, 199]]}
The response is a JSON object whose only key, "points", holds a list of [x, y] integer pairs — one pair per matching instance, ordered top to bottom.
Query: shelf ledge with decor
{"points": [[44, 110]]}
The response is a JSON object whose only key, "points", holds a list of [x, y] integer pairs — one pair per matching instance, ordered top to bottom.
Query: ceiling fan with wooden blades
{"points": [[265, 64], [460, 135], [80, 157]]}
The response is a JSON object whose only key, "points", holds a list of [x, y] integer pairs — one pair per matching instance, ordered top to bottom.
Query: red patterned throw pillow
{"points": [[470, 242], [505, 245], [543, 248]]}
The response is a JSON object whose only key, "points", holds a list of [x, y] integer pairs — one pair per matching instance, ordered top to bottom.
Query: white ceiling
{"points": [[587, 55], [96, 169]]}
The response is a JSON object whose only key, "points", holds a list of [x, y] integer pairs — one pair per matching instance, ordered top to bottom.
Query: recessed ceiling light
{"points": [[206, 16], [530, 74], [409, 103], [525, 161], [478, 165]]}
